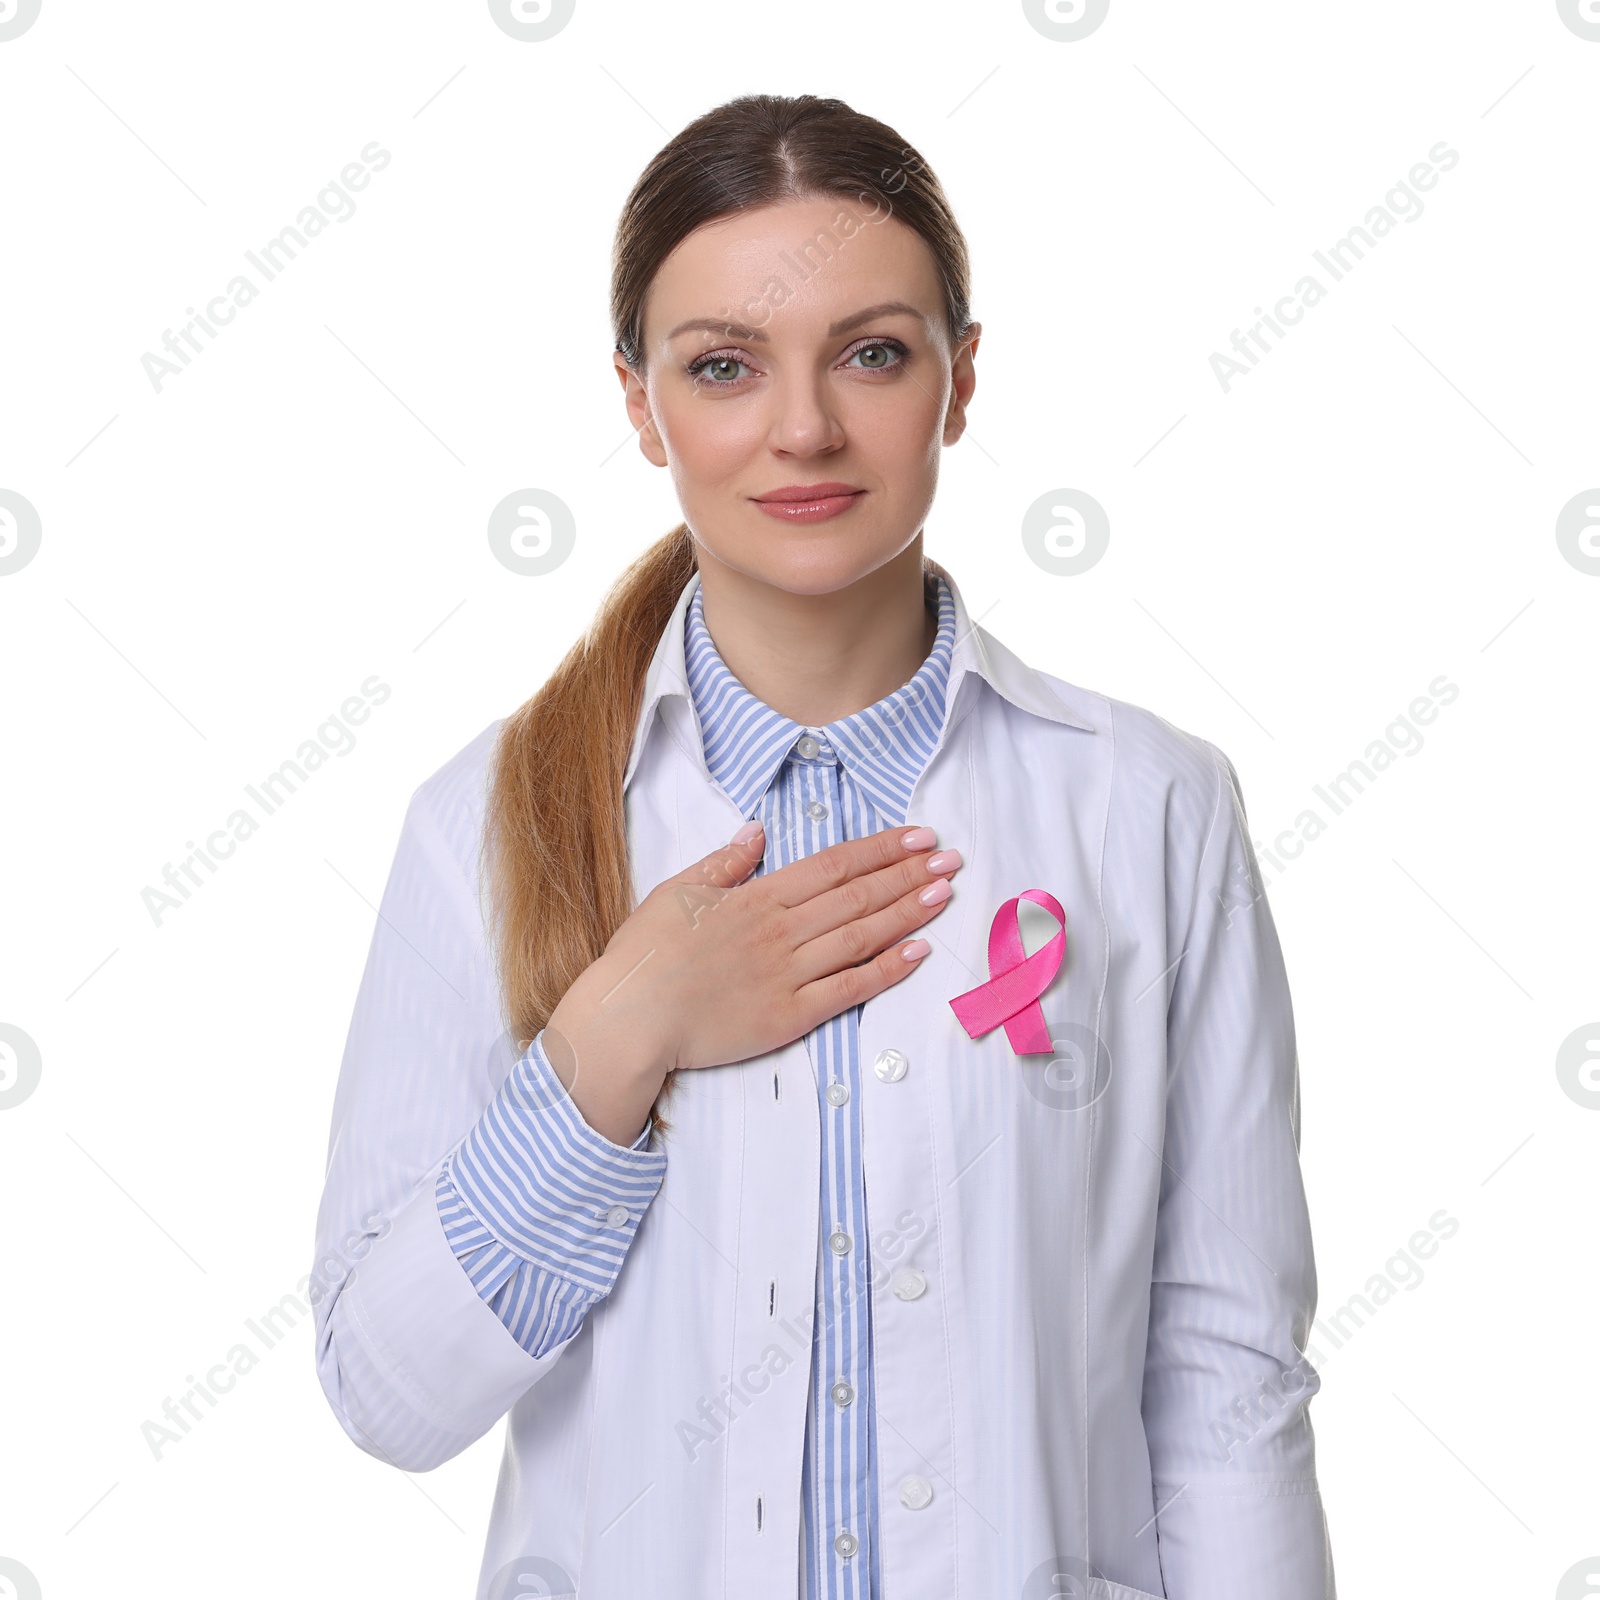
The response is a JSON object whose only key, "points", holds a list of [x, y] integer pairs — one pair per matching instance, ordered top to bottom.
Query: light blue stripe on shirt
{"points": [[540, 1208]]}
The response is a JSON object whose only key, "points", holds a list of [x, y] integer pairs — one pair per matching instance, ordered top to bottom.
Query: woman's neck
{"points": [[818, 657]]}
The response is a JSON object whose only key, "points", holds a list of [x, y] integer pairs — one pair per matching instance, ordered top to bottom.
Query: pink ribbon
{"points": [[1015, 981]]}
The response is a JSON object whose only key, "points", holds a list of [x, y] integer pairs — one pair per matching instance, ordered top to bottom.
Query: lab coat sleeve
{"points": [[540, 1208], [1233, 1292], [415, 1364]]}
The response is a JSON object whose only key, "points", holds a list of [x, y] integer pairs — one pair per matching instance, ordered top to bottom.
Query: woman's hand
{"points": [[710, 968]]}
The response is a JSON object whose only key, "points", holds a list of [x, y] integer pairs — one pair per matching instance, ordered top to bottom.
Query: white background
{"points": [[225, 561]]}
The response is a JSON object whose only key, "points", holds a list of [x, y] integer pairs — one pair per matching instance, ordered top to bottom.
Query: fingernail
{"points": [[748, 832], [920, 839], [945, 861], [936, 893], [916, 950]]}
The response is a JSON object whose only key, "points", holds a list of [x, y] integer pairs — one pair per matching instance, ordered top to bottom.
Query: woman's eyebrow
{"points": [[887, 308], [733, 330], [738, 330]]}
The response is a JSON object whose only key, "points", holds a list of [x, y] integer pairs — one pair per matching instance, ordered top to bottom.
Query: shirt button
{"points": [[808, 747], [816, 810], [890, 1065], [837, 1093], [617, 1215], [839, 1242], [908, 1284], [842, 1393], [915, 1493], [845, 1542]]}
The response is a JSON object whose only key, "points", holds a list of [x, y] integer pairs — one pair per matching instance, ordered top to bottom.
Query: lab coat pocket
{"points": [[1099, 1589]]}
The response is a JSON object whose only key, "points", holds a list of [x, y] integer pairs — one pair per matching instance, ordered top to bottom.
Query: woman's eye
{"points": [[879, 357], [715, 369]]}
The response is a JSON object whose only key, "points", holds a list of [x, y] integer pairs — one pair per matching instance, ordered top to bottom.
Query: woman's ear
{"points": [[963, 380], [637, 399]]}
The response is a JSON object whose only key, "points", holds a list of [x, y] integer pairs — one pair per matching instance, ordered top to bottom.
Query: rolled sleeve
{"points": [[540, 1208]]}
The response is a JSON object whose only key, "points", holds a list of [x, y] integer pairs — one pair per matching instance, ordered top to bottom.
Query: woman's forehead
{"points": [[798, 267]]}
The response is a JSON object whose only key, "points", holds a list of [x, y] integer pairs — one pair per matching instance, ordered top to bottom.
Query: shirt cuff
{"points": [[546, 1186]]}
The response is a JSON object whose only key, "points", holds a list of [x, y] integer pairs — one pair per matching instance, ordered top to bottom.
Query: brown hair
{"points": [[555, 834]]}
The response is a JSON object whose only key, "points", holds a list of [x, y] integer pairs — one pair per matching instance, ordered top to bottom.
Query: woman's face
{"points": [[800, 344]]}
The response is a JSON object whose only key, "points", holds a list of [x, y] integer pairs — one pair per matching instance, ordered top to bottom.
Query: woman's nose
{"points": [[803, 418]]}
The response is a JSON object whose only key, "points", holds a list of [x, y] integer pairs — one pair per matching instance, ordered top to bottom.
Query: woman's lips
{"points": [[816, 509]]}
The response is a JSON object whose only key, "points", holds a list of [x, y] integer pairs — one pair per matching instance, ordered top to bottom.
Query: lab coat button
{"points": [[807, 746], [890, 1065], [837, 1093], [617, 1215], [839, 1242], [908, 1283], [842, 1393], [915, 1493], [845, 1543]]}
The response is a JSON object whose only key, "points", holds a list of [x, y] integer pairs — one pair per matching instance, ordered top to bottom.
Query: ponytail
{"points": [[555, 830]]}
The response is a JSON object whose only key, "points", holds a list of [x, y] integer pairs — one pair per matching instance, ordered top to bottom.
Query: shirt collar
{"points": [[975, 655], [883, 747]]}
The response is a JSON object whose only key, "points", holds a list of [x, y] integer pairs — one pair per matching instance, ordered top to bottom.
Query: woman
{"points": [[816, 1236]]}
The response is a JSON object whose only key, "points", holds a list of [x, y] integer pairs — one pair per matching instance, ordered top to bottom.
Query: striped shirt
{"points": [[540, 1208]]}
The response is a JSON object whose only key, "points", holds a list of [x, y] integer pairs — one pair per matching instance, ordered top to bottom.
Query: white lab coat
{"points": [[1101, 1378]]}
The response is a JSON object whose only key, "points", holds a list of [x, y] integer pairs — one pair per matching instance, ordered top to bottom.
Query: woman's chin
{"points": [[806, 561]]}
